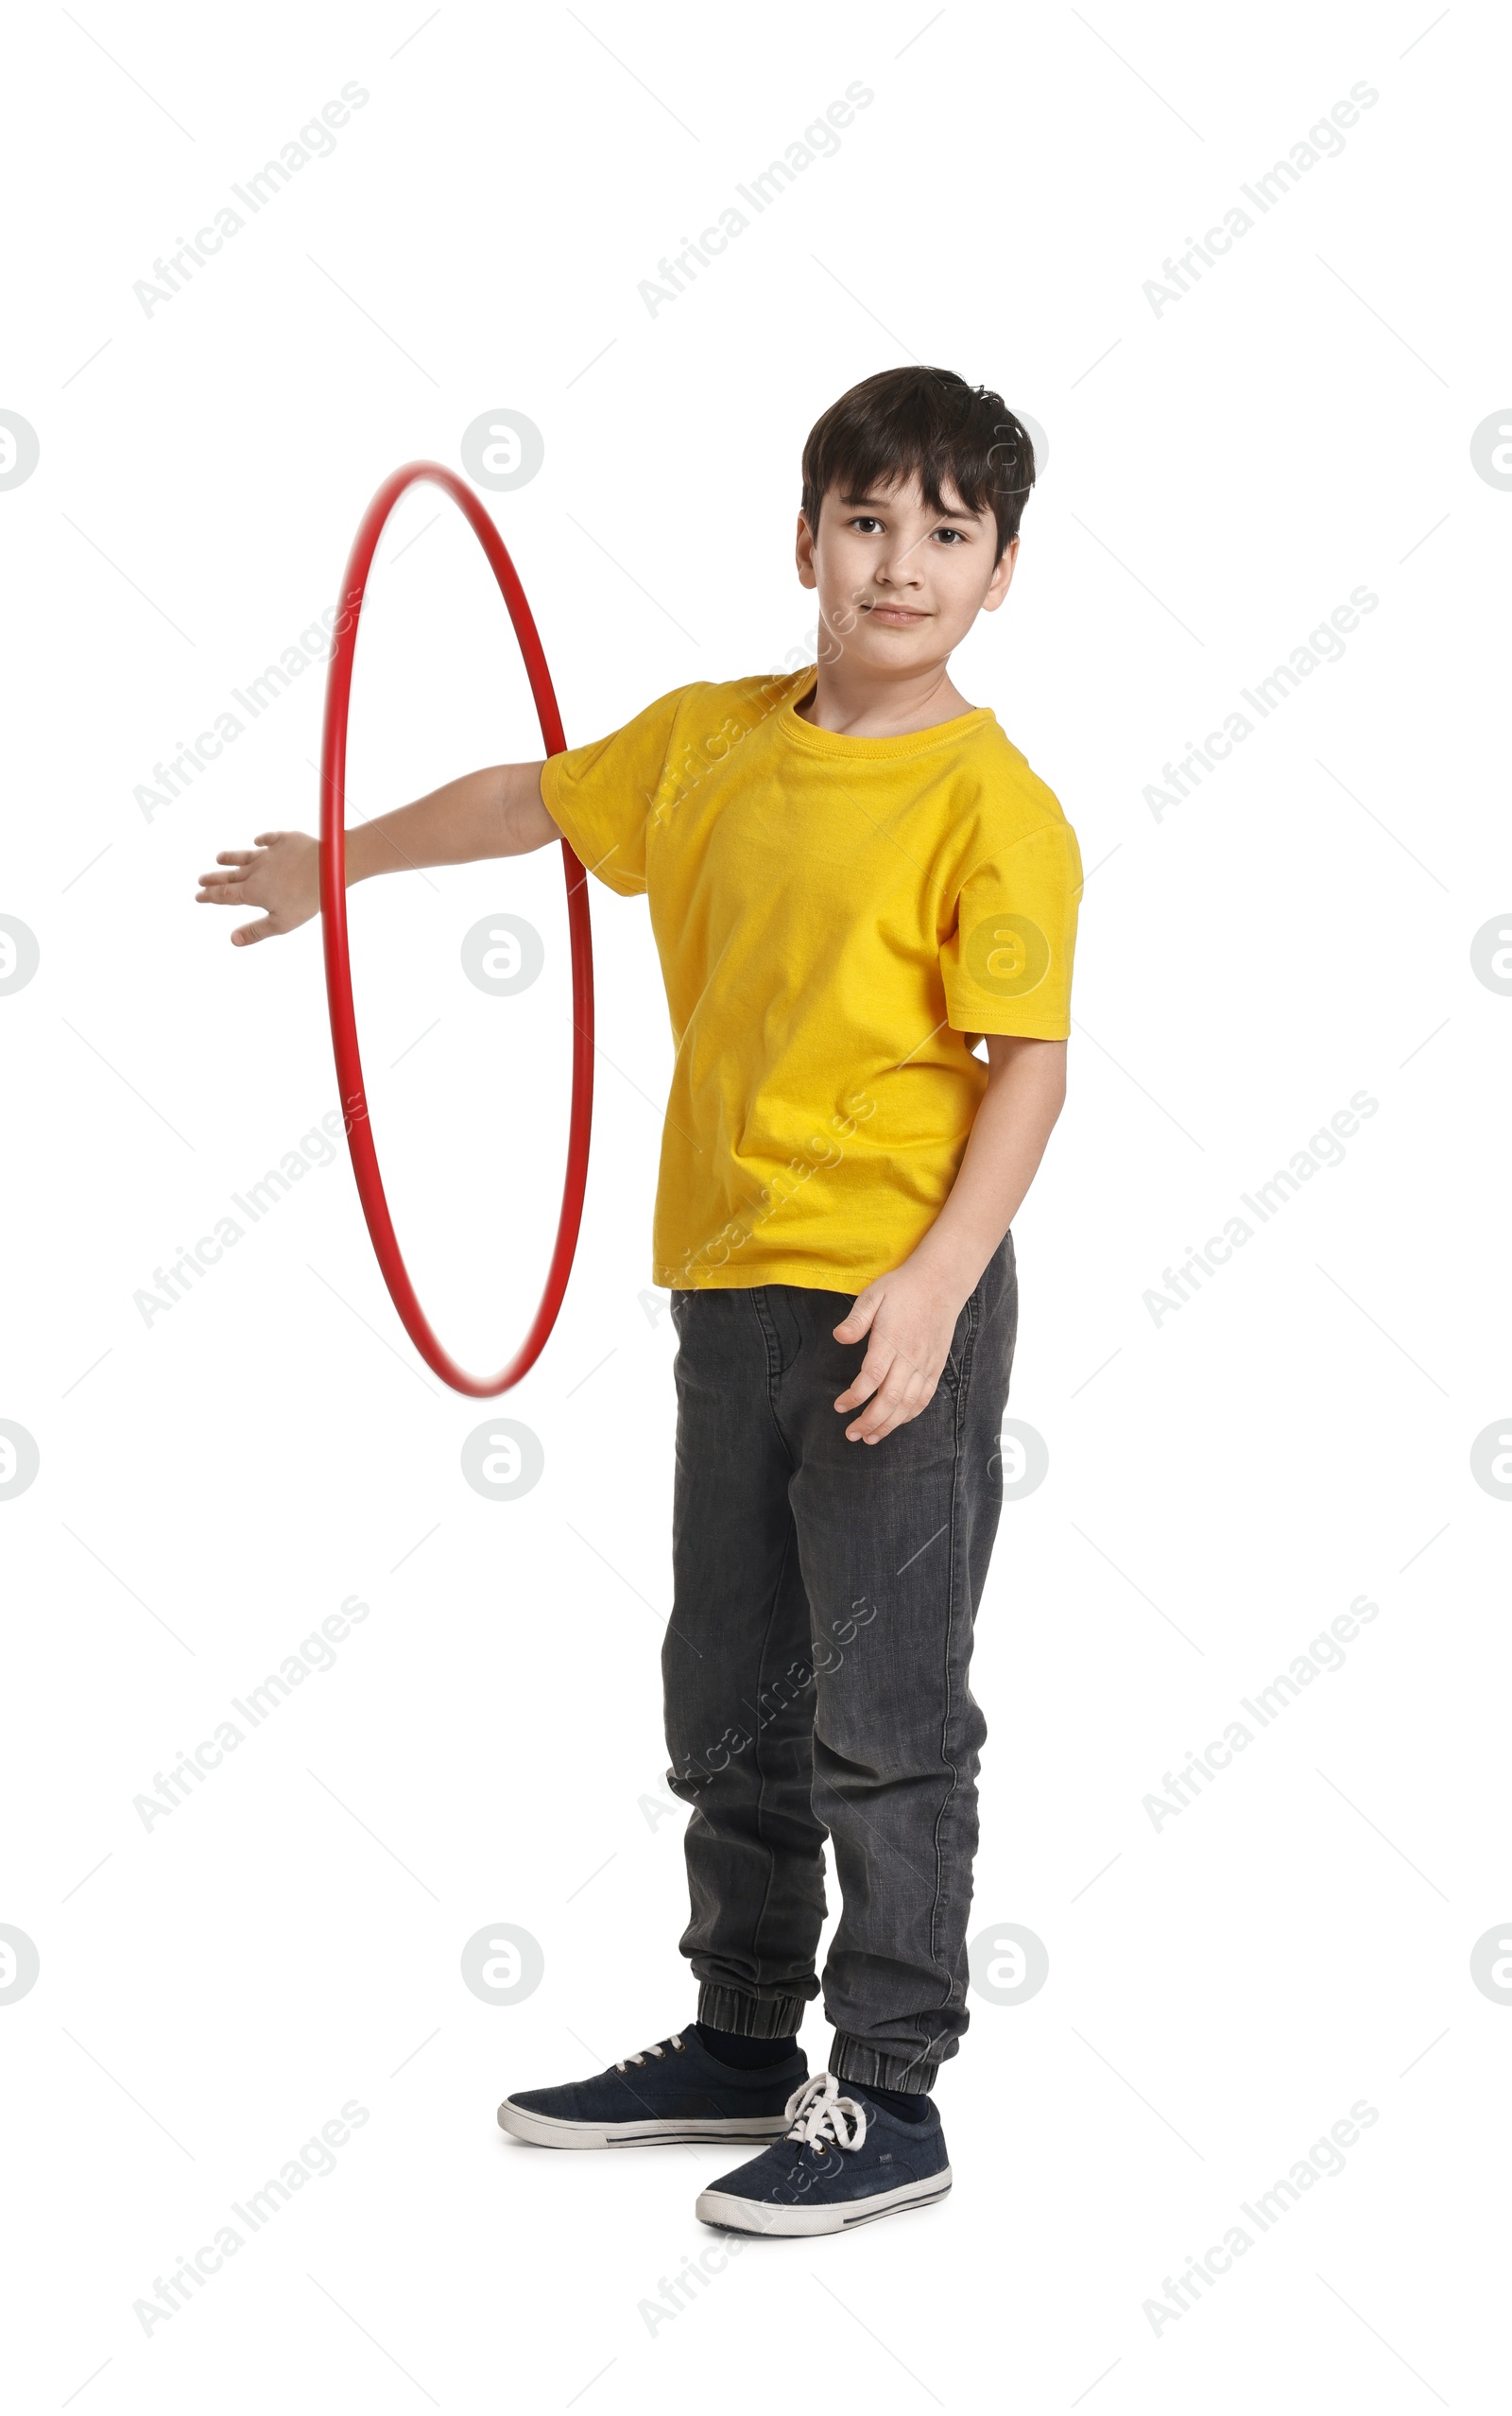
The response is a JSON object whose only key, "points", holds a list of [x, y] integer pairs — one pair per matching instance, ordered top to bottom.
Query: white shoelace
{"points": [[675, 2042], [819, 2114]]}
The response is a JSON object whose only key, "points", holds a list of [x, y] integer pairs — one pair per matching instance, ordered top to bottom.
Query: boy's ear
{"points": [[808, 576], [1001, 577]]}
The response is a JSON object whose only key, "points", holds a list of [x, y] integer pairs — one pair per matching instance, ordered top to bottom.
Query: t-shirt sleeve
{"points": [[600, 796], [1007, 964]]}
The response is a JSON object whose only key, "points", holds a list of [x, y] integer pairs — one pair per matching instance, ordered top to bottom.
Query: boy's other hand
{"points": [[281, 872], [910, 1317]]}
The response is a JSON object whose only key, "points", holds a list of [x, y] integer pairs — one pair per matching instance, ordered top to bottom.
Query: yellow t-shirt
{"points": [[837, 918]]}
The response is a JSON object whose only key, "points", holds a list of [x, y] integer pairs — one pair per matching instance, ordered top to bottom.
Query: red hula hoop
{"points": [[337, 959]]}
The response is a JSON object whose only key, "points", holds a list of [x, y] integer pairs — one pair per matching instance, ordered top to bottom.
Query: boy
{"points": [[853, 877]]}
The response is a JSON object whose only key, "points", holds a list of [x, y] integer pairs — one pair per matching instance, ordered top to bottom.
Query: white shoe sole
{"points": [[550, 2131], [729, 2214]]}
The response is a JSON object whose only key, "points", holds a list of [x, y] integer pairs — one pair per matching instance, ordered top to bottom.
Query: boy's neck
{"points": [[860, 705]]}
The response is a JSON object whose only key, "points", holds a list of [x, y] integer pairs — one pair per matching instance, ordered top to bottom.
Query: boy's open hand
{"points": [[281, 872], [910, 1317]]}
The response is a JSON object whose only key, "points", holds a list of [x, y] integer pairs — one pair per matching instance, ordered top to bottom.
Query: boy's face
{"points": [[900, 584]]}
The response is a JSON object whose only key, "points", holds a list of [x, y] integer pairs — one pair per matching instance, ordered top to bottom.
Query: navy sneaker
{"points": [[666, 2095], [838, 2164]]}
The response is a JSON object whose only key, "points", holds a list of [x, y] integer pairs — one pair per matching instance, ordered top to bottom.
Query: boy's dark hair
{"points": [[926, 423]]}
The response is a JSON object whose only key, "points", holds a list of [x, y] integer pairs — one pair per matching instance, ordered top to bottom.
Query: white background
{"points": [[1222, 1484]]}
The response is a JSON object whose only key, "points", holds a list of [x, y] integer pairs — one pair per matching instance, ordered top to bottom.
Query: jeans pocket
{"points": [[957, 1366]]}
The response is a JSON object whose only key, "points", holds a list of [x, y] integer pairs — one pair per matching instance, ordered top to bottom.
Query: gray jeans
{"points": [[815, 1670]]}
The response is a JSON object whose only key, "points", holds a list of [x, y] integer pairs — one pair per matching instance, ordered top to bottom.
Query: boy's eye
{"points": [[867, 522], [955, 536]]}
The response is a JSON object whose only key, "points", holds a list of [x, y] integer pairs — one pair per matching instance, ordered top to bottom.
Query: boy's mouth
{"points": [[898, 615]]}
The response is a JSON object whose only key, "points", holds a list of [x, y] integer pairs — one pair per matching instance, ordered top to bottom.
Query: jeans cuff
{"points": [[750, 2017], [852, 2059]]}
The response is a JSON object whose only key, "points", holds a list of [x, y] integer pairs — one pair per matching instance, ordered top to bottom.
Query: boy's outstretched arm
{"points": [[496, 812], [910, 1315]]}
